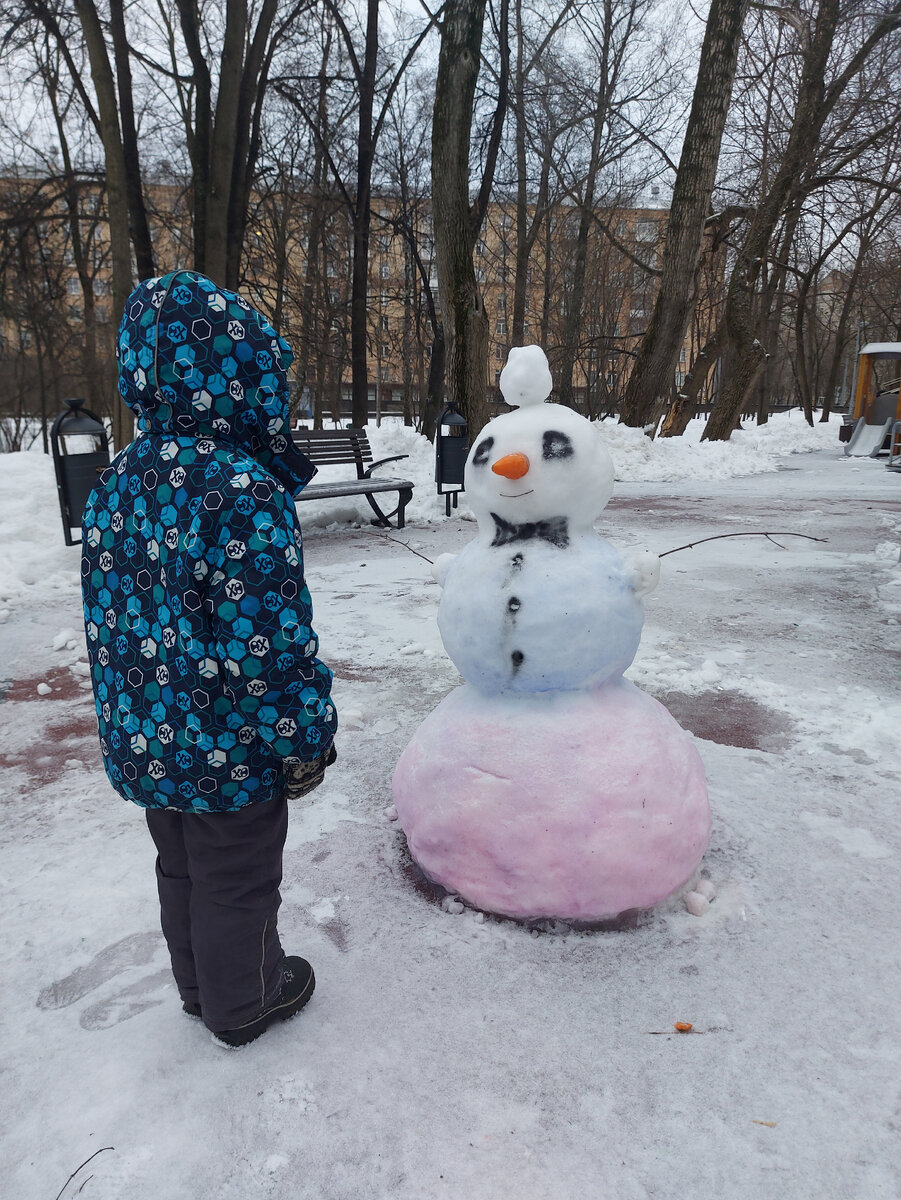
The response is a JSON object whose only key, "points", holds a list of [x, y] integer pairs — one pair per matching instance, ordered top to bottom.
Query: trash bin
{"points": [[451, 450], [76, 471]]}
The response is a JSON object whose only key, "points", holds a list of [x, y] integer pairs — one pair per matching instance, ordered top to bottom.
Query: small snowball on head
{"points": [[526, 379]]}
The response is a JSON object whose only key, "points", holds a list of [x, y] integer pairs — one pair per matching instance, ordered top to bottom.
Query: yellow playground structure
{"points": [[877, 403]]}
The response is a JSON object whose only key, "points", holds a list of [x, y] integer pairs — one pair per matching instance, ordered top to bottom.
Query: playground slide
{"points": [[868, 440]]}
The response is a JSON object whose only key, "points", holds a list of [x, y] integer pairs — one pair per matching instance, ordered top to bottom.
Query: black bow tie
{"points": [[555, 531]]}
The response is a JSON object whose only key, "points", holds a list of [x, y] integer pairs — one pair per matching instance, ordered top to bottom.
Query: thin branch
{"points": [[397, 78], [750, 533], [406, 546], [77, 1169]]}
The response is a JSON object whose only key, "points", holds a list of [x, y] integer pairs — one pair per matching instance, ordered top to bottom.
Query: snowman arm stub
{"points": [[441, 566], [644, 566]]}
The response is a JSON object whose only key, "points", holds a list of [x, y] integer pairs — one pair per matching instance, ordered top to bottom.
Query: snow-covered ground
{"points": [[449, 1055]]}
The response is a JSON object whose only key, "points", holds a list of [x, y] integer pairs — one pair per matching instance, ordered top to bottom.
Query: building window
{"points": [[646, 231], [480, 248], [384, 270], [480, 274], [73, 286], [502, 303], [101, 314], [386, 324], [501, 328], [386, 350], [682, 355], [383, 374], [680, 378]]}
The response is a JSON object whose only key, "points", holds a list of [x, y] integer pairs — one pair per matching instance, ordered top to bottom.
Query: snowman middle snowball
{"points": [[539, 601]]}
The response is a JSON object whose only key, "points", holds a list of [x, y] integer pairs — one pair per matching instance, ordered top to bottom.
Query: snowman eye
{"points": [[556, 445], [482, 451]]}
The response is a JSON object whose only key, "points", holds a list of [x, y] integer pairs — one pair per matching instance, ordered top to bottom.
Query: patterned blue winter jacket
{"points": [[203, 657]]}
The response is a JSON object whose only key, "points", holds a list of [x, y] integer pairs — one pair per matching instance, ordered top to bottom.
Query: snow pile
{"points": [[750, 451], [33, 555]]}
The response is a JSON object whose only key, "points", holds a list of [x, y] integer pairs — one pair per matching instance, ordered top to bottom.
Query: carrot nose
{"points": [[511, 466]]}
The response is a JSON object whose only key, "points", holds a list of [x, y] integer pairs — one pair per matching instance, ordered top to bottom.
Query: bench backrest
{"points": [[327, 447]]}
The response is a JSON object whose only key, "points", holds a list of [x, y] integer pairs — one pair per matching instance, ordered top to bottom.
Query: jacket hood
{"points": [[198, 361]]}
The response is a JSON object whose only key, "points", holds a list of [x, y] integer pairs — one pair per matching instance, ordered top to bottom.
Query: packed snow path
{"points": [[450, 1055]]}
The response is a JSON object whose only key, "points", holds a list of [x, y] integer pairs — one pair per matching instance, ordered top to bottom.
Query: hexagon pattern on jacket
{"points": [[202, 652]]}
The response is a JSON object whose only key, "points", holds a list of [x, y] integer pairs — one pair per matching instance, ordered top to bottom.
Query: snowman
{"points": [[539, 602], [547, 785]]}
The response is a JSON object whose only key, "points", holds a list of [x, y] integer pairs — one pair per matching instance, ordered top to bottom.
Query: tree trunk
{"points": [[248, 117], [198, 134], [223, 143], [116, 188], [140, 228], [359, 294], [464, 319], [310, 329], [841, 334], [90, 367], [652, 374], [434, 386], [683, 408]]}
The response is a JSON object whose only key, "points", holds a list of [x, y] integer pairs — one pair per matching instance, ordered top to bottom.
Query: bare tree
{"points": [[816, 99], [457, 219], [650, 381]]}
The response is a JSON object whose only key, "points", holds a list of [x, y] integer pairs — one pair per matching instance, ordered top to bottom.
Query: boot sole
{"points": [[248, 1033]]}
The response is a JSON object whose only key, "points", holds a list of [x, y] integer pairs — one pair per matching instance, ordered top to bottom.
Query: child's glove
{"points": [[302, 777]]}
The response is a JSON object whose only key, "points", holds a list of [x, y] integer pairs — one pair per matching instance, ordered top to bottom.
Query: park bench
{"points": [[350, 447]]}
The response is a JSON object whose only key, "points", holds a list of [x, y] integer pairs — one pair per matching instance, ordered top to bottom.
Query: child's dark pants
{"points": [[218, 876]]}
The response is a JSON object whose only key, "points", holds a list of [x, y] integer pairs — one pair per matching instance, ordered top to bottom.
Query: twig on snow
{"points": [[770, 535], [406, 545], [78, 1168]]}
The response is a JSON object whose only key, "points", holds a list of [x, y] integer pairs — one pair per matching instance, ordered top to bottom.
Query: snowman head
{"points": [[526, 378], [539, 463]]}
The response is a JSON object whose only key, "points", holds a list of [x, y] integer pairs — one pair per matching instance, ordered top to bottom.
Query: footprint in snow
{"points": [[136, 950], [139, 996]]}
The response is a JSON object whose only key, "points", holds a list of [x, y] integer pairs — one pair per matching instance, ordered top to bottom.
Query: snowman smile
{"points": [[515, 495]]}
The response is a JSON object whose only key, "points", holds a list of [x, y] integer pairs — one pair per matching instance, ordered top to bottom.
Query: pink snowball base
{"points": [[575, 805]]}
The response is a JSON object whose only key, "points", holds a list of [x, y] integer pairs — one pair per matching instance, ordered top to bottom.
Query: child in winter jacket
{"points": [[212, 705]]}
